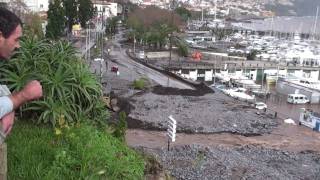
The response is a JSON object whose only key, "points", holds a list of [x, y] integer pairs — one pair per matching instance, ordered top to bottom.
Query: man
{"points": [[10, 34]]}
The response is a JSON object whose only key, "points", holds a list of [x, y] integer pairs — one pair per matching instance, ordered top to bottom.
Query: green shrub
{"points": [[182, 49], [139, 84], [70, 90], [121, 127], [81, 152]]}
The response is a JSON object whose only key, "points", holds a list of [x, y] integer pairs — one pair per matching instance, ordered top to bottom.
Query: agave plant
{"points": [[70, 90]]}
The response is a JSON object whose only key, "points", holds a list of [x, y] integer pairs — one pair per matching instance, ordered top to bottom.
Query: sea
{"points": [[286, 24]]}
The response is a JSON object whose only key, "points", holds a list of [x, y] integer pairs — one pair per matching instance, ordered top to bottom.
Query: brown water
{"points": [[278, 102], [286, 137]]}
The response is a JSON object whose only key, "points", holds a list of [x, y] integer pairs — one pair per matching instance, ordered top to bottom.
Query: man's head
{"points": [[10, 33]]}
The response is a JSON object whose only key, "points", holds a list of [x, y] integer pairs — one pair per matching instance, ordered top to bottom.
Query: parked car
{"points": [[260, 105]]}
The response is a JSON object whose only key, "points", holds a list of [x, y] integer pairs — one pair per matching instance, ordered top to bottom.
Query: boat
{"points": [[260, 92], [239, 93]]}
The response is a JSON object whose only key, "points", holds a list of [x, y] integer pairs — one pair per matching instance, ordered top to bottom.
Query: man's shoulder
{"points": [[4, 90]]}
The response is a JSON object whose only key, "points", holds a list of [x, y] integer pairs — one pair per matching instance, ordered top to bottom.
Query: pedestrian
{"points": [[10, 34]]}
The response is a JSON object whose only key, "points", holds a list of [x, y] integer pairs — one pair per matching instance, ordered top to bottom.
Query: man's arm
{"points": [[31, 91]]}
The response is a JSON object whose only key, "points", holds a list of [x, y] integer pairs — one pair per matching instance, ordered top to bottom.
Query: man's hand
{"points": [[32, 91], [7, 123]]}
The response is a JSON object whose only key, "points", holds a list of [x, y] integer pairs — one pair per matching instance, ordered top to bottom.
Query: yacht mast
{"points": [[215, 10], [315, 22]]}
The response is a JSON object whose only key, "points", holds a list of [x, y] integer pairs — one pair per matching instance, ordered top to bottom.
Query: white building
{"points": [[37, 5], [105, 9]]}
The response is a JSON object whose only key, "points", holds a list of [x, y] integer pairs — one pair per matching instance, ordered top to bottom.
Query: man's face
{"points": [[8, 45]]}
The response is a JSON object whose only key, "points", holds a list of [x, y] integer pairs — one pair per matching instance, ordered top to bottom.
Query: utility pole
{"points": [[215, 10], [171, 34], [89, 39], [102, 42], [134, 43], [86, 48], [170, 53]]}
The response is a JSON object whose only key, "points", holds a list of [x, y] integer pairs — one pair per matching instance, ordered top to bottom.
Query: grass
{"points": [[36, 152]]}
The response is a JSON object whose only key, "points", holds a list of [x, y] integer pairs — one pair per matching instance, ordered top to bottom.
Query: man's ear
{"points": [[1, 36]]}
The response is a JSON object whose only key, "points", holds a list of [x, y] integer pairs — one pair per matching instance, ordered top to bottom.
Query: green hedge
{"points": [[77, 153]]}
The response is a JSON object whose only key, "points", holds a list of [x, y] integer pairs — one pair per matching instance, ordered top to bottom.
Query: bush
{"points": [[182, 49], [139, 84], [70, 90], [121, 127], [77, 153]]}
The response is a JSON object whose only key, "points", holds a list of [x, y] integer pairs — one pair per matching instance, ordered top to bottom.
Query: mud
{"points": [[160, 90], [211, 113], [191, 162]]}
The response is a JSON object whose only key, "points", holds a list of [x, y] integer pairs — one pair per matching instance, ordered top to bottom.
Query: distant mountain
{"points": [[294, 7]]}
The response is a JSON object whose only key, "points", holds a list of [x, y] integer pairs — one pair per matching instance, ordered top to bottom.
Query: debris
{"points": [[290, 121]]}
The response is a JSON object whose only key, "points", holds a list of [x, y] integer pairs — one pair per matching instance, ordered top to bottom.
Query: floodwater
{"points": [[278, 103]]}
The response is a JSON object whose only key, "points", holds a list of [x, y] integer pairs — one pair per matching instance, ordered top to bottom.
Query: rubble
{"points": [[211, 113], [244, 162]]}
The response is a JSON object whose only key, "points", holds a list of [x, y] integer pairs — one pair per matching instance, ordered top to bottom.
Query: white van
{"points": [[297, 99]]}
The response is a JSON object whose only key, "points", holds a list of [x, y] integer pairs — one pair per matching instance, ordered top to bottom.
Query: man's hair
{"points": [[8, 22]]}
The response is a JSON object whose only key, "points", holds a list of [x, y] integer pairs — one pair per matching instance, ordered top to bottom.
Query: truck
{"points": [[310, 119]]}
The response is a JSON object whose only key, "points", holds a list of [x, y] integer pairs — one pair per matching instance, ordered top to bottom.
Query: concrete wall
{"points": [[162, 54], [193, 75], [208, 75]]}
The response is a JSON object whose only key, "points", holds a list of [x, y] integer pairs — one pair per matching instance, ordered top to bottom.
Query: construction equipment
{"points": [[197, 56]]}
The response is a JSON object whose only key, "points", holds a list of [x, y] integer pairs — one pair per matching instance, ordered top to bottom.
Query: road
{"points": [[130, 68]]}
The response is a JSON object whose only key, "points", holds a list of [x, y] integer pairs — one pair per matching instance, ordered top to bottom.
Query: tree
{"points": [[18, 7], [86, 12], [183, 12], [71, 13], [56, 20], [34, 25], [111, 25], [153, 25], [182, 48], [252, 55]]}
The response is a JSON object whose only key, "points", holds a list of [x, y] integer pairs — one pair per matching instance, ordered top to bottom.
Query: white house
{"points": [[37, 5], [105, 9]]}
